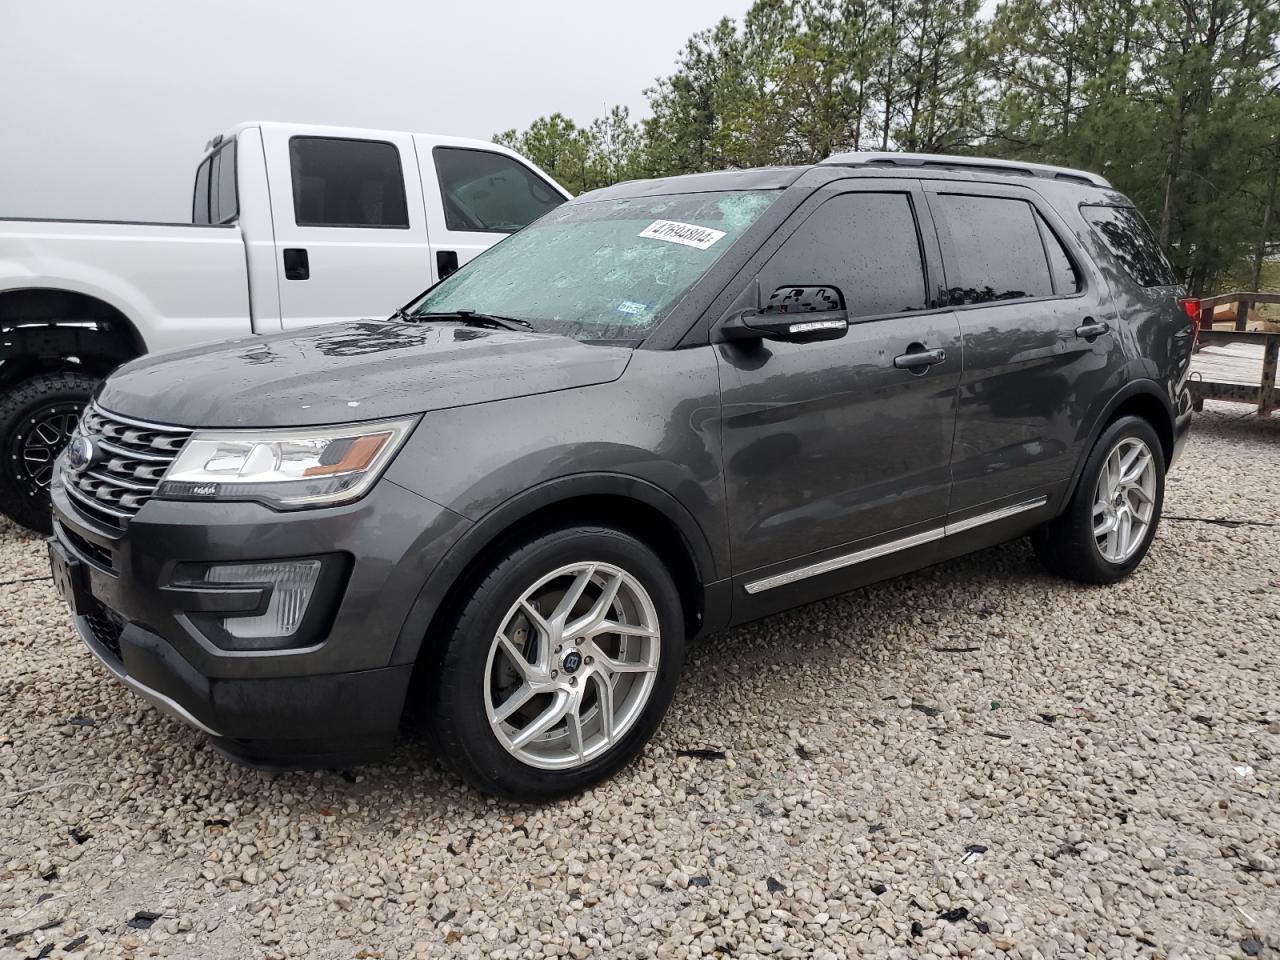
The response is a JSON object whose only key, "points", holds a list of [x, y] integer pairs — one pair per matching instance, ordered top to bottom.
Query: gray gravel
{"points": [[976, 760]]}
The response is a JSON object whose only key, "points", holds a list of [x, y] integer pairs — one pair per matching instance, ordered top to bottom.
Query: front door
{"points": [[350, 228], [1040, 344], [838, 452]]}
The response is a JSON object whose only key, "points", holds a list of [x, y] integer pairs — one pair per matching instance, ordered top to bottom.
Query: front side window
{"points": [[347, 183], [490, 192], [1130, 240], [866, 244], [992, 248], [603, 269]]}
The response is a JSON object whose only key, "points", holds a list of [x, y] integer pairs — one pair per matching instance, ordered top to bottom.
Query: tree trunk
{"points": [[1260, 251]]}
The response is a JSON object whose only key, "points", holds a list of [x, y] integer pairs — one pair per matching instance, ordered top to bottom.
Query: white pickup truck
{"points": [[290, 225]]}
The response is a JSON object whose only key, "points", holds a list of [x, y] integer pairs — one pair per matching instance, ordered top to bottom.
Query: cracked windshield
{"points": [[601, 270]]}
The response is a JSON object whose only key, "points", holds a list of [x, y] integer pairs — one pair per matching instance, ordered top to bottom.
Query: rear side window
{"points": [[347, 183], [490, 192], [200, 199], [224, 206], [1130, 240], [866, 244], [992, 248]]}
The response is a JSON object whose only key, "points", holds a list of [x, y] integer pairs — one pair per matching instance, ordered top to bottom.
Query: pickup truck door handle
{"points": [[296, 265], [1090, 330], [917, 359]]}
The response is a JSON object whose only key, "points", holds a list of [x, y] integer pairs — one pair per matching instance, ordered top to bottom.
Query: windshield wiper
{"points": [[470, 317]]}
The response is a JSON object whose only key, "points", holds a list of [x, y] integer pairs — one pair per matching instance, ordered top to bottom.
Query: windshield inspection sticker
{"points": [[688, 234], [631, 307]]}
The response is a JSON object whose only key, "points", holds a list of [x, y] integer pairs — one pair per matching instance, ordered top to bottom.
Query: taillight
{"points": [[1191, 307]]}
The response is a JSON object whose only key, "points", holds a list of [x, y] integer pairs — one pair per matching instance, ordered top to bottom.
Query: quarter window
{"points": [[347, 183], [490, 192], [200, 199], [223, 202], [1129, 239], [864, 243], [993, 248], [1066, 277]]}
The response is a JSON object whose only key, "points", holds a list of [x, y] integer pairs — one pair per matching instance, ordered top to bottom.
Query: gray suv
{"points": [[665, 408]]}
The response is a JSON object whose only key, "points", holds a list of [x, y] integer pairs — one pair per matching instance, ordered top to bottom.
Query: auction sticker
{"points": [[688, 234]]}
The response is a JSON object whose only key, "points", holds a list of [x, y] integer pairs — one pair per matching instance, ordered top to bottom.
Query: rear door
{"points": [[475, 197], [350, 230], [1040, 344], [838, 453]]}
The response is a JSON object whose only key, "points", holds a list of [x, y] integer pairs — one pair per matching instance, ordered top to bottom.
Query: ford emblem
{"points": [[80, 453]]}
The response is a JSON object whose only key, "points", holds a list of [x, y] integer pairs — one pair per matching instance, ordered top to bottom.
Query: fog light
{"points": [[292, 582]]}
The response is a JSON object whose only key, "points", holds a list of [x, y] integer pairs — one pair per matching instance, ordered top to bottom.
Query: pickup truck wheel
{"points": [[37, 417], [1111, 520], [560, 665]]}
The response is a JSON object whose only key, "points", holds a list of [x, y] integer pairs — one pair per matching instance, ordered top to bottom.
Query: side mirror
{"points": [[793, 314]]}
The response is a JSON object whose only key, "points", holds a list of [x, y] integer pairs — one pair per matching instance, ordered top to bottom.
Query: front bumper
{"points": [[333, 702]]}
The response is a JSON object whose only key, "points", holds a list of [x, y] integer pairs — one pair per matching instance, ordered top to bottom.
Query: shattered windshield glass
{"points": [[604, 269]]}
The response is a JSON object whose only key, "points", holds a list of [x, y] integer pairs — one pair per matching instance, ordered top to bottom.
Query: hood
{"points": [[353, 371]]}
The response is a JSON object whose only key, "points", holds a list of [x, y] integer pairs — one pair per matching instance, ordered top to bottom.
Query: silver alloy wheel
{"points": [[1124, 500], [562, 687]]}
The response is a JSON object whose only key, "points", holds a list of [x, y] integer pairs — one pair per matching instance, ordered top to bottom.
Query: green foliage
{"points": [[1176, 101]]}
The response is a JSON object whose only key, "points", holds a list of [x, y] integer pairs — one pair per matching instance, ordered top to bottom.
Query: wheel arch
{"points": [[44, 329], [1140, 398], [640, 508]]}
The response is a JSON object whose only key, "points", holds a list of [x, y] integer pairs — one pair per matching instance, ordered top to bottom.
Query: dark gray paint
{"points": [[762, 457]]}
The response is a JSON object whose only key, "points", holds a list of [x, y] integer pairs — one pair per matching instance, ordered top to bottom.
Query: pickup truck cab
{"points": [[291, 225]]}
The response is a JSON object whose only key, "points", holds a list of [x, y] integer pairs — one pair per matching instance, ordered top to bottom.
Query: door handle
{"points": [[446, 262], [296, 265], [1089, 330], [917, 359]]}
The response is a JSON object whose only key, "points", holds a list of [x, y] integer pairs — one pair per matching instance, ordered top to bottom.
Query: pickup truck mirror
{"points": [[794, 314]]}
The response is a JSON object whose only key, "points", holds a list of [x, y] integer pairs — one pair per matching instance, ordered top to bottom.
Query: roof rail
{"points": [[943, 160]]}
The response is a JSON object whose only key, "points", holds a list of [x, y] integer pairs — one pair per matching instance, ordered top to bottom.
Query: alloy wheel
{"points": [[38, 442], [1124, 500], [572, 666]]}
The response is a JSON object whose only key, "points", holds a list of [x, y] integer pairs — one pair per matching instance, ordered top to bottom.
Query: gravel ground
{"points": [[976, 760]]}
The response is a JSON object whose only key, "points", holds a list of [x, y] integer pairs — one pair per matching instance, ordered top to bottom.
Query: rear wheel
{"points": [[37, 417], [1111, 520], [560, 666]]}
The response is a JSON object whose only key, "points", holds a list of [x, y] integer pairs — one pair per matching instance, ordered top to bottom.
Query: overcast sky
{"points": [[105, 107]]}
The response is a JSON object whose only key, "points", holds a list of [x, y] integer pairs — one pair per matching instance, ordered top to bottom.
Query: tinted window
{"points": [[347, 183], [490, 192], [200, 199], [223, 203], [1127, 236], [864, 243], [992, 247], [1066, 277]]}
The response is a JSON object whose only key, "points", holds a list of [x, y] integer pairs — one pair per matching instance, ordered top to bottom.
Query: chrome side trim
{"points": [[983, 518], [893, 546], [847, 560], [157, 699]]}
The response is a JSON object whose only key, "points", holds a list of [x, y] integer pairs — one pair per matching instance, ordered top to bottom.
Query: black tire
{"points": [[31, 412], [1067, 545], [459, 687]]}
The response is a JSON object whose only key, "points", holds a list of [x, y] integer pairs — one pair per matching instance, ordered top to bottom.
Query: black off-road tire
{"points": [[32, 405], [1066, 545], [456, 718]]}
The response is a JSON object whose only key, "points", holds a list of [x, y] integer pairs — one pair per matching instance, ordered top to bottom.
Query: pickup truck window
{"points": [[347, 183], [485, 192], [215, 199], [602, 269]]}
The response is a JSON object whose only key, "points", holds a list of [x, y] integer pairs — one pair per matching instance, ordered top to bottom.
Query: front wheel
{"points": [[37, 417], [1111, 520], [560, 665]]}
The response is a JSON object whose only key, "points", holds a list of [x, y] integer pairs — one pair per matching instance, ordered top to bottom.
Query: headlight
{"points": [[284, 468]]}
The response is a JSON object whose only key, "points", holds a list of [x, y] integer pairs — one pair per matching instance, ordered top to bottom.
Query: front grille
{"points": [[131, 457], [105, 625]]}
